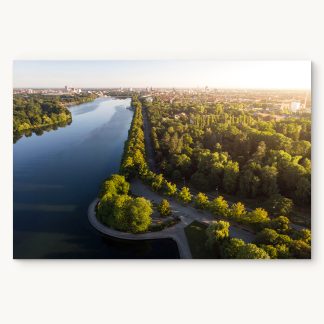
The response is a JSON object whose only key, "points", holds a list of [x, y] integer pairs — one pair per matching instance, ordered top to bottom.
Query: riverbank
{"points": [[35, 112], [130, 166], [51, 199]]}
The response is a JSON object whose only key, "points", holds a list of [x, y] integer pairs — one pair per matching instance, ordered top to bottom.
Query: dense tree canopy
{"points": [[31, 112], [225, 146], [198, 154], [119, 210]]}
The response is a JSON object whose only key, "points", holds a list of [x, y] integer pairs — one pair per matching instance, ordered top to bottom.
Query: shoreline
{"points": [[168, 233]]}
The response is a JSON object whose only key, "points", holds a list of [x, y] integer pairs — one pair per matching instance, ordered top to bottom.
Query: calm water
{"points": [[57, 175]]}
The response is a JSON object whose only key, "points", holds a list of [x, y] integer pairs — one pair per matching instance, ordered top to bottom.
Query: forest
{"points": [[32, 112], [225, 147], [275, 235]]}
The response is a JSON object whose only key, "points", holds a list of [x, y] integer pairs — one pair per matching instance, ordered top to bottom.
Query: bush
{"points": [[170, 189], [184, 195], [201, 201], [219, 207], [164, 208], [256, 216], [167, 223], [251, 251]]}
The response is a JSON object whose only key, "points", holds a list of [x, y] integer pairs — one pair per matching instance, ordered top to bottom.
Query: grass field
{"points": [[196, 237]]}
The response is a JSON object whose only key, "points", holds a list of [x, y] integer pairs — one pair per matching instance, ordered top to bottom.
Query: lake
{"points": [[58, 174]]}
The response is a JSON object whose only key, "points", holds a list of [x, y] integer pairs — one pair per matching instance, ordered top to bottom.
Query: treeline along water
{"points": [[57, 175]]}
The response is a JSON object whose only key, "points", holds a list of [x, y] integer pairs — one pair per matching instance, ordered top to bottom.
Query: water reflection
{"points": [[39, 131], [58, 174]]}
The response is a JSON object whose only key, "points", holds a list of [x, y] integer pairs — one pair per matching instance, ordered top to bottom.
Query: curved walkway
{"points": [[186, 213], [175, 232]]}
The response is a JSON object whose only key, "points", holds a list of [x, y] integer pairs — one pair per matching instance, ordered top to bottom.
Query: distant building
{"points": [[295, 106]]}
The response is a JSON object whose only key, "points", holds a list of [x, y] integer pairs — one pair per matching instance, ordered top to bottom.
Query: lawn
{"points": [[196, 237]]}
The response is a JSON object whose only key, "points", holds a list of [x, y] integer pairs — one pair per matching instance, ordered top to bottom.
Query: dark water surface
{"points": [[58, 174]]}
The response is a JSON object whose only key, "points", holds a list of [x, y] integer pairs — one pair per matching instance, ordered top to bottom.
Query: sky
{"points": [[163, 73]]}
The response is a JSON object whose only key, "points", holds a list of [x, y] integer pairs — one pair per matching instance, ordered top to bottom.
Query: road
{"points": [[186, 213]]}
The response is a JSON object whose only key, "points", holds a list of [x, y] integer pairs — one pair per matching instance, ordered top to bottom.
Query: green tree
{"points": [[260, 152], [183, 163], [231, 173], [268, 176], [200, 181], [157, 182], [249, 182], [116, 185], [170, 188], [303, 190], [184, 195], [201, 201], [279, 205], [219, 206], [105, 208], [164, 208], [237, 211], [139, 213], [257, 215], [121, 217], [280, 224], [216, 232], [304, 235], [267, 236], [284, 239], [230, 248], [300, 249], [270, 250], [251, 251], [283, 251]]}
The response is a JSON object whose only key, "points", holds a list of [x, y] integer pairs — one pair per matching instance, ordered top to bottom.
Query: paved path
{"points": [[148, 142], [187, 215], [175, 232]]}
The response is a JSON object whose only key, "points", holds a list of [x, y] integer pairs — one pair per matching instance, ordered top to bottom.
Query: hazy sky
{"points": [[219, 74]]}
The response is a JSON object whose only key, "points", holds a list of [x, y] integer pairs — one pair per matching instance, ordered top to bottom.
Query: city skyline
{"points": [[285, 75]]}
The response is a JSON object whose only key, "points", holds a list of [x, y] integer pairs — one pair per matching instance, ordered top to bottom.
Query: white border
{"points": [[162, 291]]}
